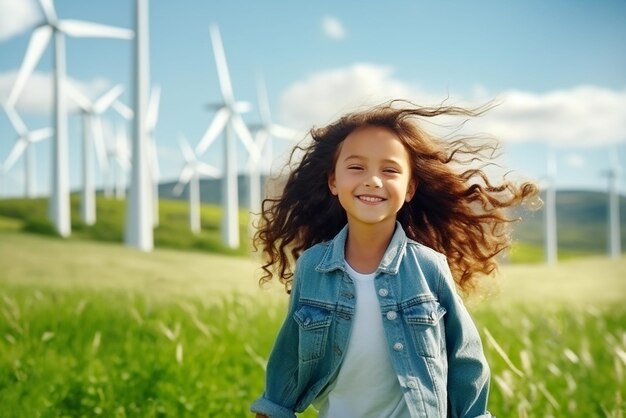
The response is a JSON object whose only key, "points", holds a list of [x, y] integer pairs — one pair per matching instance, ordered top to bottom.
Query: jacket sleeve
{"points": [[468, 371], [281, 377]]}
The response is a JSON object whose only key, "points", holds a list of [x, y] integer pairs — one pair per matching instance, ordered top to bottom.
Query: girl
{"points": [[383, 223]]}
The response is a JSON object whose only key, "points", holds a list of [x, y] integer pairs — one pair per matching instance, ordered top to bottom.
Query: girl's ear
{"points": [[331, 184], [410, 191]]}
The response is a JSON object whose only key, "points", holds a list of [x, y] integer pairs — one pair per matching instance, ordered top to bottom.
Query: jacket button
{"points": [[383, 292], [391, 315], [307, 321], [398, 346], [412, 384]]}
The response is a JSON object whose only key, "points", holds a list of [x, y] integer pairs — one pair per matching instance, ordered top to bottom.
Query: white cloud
{"points": [[17, 16], [333, 28], [324, 96], [36, 98], [579, 116]]}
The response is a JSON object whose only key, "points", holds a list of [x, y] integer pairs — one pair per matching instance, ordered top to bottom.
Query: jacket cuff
{"points": [[272, 410]]}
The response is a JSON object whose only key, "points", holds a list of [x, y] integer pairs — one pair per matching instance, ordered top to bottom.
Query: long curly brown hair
{"points": [[456, 209]]}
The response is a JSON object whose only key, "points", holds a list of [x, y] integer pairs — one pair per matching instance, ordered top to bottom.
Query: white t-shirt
{"points": [[367, 385]]}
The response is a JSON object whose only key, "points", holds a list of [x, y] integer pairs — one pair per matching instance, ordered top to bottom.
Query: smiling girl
{"points": [[384, 223]]}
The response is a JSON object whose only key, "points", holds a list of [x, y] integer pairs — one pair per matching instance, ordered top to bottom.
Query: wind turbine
{"points": [[228, 119], [92, 129], [265, 131], [23, 145], [118, 155], [153, 160], [190, 173], [59, 203], [550, 223], [138, 232], [615, 239]]}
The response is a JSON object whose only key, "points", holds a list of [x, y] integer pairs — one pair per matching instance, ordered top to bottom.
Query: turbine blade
{"points": [[48, 10], [83, 29], [38, 42], [222, 67], [79, 98], [107, 99], [264, 104], [242, 107], [153, 108], [124, 111], [16, 120], [216, 126], [97, 131], [283, 132], [40, 134], [245, 136], [261, 138], [186, 149], [15, 153], [154, 157], [208, 170], [185, 176]]}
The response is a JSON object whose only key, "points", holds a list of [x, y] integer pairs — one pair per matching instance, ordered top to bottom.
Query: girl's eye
{"points": [[355, 167], [391, 171]]}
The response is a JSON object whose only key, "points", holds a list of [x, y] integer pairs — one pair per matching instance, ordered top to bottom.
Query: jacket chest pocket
{"points": [[314, 323], [425, 324]]}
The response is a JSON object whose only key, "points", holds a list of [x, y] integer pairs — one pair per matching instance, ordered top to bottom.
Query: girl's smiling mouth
{"points": [[370, 198]]}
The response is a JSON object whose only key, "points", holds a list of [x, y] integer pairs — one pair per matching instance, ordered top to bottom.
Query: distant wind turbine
{"points": [[228, 120], [92, 135], [263, 139], [23, 145], [118, 155], [191, 173], [58, 206], [550, 223], [614, 228]]}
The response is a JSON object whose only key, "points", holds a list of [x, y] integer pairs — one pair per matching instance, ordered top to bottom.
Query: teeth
{"points": [[371, 199]]}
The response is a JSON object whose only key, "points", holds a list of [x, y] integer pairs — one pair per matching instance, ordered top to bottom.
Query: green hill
{"points": [[581, 218], [582, 222]]}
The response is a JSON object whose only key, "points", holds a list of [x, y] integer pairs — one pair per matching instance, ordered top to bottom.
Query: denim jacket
{"points": [[433, 343]]}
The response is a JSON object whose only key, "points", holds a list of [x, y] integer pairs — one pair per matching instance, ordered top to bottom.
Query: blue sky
{"points": [[558, 68]]}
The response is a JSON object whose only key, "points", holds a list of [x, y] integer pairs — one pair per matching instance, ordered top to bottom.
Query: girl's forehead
{"points": [[373, 139]]}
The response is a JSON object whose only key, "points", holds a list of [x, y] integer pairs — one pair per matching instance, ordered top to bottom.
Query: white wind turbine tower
{"points": [[152, 116], [228, 119], [92, 135], [263, 139], [23, 145], [119, 153], [118, 156], [153, 159], [191, 174], [59, 203], [550, 222], [138, 232], [615, 239]]}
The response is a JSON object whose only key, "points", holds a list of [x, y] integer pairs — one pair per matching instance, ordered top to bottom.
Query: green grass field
{"points": [[96, 329]]}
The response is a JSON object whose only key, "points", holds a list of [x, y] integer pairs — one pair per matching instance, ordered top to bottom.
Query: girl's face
{"points": [[372, 176]]}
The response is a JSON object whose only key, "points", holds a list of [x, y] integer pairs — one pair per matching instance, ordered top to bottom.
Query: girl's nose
{"points": [[373, 181]]}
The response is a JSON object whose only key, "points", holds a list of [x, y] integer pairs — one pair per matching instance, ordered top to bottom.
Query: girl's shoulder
{"points": [[313, 254], [425, 254]]}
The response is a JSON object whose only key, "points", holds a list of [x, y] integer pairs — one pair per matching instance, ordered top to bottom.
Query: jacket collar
{"points": [[334, 256]]}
